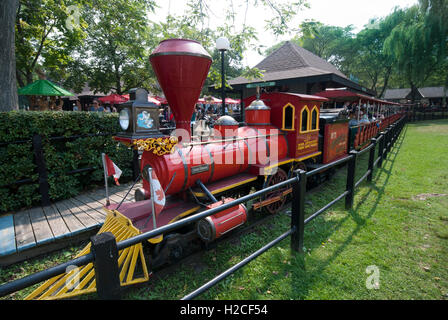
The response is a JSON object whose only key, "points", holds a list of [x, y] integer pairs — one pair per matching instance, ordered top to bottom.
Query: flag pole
{"points": [[105, 178], [152, 198]]}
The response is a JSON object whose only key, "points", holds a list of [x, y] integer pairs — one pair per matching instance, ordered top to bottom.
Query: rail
{"points": [[107, 287]]}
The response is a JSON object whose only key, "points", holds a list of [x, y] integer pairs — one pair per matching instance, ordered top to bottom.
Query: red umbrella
{"points": [[113, 99], [154, 100], [162, 100], [216, 100], [232, 101]]}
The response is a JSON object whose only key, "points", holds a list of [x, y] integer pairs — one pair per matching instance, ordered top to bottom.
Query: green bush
{"points": [[61, 156]]}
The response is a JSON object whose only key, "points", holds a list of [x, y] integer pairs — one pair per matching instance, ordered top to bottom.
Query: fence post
{"points": [[391, 138], [386, 143], [381, 148], [371, 160], [351, 169], [41, 170], [298, 211], [104, 248]]}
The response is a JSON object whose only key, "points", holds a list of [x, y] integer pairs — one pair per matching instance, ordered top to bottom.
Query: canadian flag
{"points": [[112, 169], [157, 193]]}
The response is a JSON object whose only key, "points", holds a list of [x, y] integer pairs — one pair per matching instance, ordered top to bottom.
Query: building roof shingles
{"points": [[291, 61], [428, 92]]}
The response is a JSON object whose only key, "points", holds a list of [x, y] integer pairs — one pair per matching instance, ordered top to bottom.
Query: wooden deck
{"points": [[40, 230]]}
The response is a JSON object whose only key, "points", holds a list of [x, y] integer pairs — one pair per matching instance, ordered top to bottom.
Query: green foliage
{"points": [[195, 24], [110, 41], [44, 42], [418, 43], [407, 48], [115, 54], [61, 156]]}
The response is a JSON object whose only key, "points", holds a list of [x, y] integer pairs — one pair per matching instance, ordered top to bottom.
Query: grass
{"points": [[399, 224]]}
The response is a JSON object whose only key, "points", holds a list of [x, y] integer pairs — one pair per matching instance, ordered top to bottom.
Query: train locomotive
{"points": [[282, 132]]}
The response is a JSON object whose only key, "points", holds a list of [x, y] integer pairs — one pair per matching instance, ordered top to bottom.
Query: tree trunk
{"points": [[386, 81], [8, 82], [413, 91]]}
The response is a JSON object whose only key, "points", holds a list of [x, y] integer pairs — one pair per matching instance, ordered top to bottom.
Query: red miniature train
{"points": [[282, 132]]}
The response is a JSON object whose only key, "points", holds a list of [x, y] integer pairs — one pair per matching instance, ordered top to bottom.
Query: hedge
{"points": [[17, 129]]}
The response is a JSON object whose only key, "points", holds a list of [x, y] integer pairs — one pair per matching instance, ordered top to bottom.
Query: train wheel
{"points": [[276, 206]]}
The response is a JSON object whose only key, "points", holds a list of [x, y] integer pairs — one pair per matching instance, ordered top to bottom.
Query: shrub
{"points": [[61, 155]]}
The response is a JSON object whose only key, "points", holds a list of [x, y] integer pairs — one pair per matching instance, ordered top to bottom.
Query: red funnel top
{"points": [[181, 66]]}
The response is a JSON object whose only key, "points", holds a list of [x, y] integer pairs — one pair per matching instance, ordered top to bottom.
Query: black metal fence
{"points": [[421, 114], [105, 249]]}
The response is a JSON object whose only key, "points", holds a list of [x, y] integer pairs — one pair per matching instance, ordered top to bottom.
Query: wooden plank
{"points": [[130, 196], [100, 198], [117, 198], [98, 206], [97, 216], [83, 217], [57, 224], [73, 224], [41, 228], [24, 231], [7, 235], [47, 248]]}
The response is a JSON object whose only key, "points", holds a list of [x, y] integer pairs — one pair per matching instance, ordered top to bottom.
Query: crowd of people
{"points": [[95, 106], [201, 112], [363, 115]]}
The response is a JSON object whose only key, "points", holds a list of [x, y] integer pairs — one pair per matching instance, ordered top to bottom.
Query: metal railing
{"points": [[422, 114], [108, 278]]}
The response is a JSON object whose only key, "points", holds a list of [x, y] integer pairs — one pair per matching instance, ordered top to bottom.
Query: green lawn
{"points": [[399, 225], [392, 226]]}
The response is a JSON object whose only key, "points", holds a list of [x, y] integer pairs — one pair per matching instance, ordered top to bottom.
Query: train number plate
{"points": [[199, 169]]}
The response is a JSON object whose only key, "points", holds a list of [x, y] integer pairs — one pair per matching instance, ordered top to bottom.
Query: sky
{"points": [[331, 12]]}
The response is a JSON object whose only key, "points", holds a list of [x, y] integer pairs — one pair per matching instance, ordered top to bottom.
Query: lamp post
{"points": [[223, 44]]}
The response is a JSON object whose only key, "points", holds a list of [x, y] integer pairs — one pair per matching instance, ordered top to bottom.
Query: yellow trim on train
{"points": [[309, 156], [201, 194]]}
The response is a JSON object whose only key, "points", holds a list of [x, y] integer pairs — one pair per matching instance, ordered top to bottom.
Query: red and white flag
{"points": [[112, 169], [158, 193]]}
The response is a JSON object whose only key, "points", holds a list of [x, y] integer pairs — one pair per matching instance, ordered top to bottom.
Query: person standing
{"points": [[94, 107]]}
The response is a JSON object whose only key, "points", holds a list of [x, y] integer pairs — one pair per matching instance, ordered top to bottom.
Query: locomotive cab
{"points": [[297, 117]]}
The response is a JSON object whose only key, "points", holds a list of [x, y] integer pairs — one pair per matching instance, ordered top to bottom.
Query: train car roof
{"points": [[344, 95]]}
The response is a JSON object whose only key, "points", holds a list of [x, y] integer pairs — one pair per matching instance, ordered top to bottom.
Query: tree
{"points": [[436, 23], [194, 24], [47, 31], [323, 40], [107, 42], [116, 50], [413, 51], [374, 65], [8, 85]]}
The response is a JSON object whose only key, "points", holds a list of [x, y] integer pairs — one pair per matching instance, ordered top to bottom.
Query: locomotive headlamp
{"points": [[138, 118], [124, 119]]}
